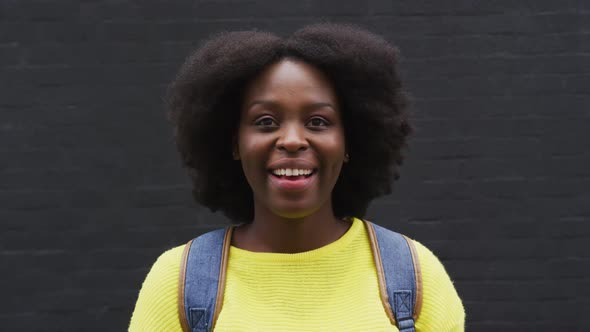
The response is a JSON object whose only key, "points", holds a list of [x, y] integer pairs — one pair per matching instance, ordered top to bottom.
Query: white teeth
{"points": [[291, 172]]}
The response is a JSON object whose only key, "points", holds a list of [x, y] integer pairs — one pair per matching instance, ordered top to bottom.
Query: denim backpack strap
{"points": [[398, 270], [202, 280]]}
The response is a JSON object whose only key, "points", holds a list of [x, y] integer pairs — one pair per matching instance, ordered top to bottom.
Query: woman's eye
{"points": [[265, 122], [318, 122]]}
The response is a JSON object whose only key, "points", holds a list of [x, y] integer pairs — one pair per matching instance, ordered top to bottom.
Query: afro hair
{"points": [[205, 98]]}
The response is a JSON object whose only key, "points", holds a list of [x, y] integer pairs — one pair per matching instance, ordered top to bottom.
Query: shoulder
{"points": [[169, 260], [167, 266], [156, 305], [442, 309]]}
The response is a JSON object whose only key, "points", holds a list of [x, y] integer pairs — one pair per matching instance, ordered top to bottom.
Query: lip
{"points": [[292, 185]]}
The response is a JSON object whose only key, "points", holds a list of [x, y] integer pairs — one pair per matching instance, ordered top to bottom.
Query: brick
{"points": [[465, 7], [48, 11], [492, 24], [86, 30], [15, 31], [414, 47], [10, 54], [463, 66], [521, 85], [559, 107], [501, 128], [542, 188], [30, 200], [566, 228], [487, 249], [479, 270], [540, 290], [527, 310], [545, 325]]}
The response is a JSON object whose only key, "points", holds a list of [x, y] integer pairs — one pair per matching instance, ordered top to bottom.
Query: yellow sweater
{"points": [[332, 288]]}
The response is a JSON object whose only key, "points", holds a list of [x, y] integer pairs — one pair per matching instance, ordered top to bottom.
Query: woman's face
{"points": [[291, 139]]}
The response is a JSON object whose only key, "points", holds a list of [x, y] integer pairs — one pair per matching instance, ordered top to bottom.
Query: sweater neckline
{"points": [[314, 254]]}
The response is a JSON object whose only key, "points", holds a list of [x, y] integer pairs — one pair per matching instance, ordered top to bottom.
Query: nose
{"points": [[292, 138]]}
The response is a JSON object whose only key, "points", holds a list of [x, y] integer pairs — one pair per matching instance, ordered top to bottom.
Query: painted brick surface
{"points": [[496, 181]]}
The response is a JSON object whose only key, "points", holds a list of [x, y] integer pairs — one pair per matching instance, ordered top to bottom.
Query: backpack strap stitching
{"points": [[203, 264], [418, 273], [222, 274], [380, 274], [182, 279]]}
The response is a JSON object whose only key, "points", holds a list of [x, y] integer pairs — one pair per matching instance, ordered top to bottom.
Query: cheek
{"points": [[334, 147], [250, 148], [252, 154]]}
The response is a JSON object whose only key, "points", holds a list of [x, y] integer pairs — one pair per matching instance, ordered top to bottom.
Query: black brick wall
{"points": [[91, 188]]}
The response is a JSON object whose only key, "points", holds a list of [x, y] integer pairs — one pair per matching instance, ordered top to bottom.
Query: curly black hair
{"points": [[204, 105]]}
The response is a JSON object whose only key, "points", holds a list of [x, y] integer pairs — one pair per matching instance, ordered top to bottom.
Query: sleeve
{"points": [[156, 308], [442, 309]]}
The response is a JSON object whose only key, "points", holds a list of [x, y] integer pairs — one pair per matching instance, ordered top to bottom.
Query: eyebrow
{"points": [[273, 104]]}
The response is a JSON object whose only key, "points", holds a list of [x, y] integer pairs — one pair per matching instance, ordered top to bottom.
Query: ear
{"points": [[346, 157]]}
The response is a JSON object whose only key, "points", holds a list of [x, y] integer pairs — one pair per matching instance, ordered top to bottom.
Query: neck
{"points": [[271, 233]]}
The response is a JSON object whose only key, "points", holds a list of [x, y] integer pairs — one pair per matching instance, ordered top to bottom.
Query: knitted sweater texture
{"points": [[332, 288]]}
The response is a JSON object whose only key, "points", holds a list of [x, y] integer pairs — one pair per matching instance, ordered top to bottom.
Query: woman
{"points": [[292, 138]]}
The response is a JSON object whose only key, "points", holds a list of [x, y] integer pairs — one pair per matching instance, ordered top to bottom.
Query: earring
{"points": [[346, 157]]}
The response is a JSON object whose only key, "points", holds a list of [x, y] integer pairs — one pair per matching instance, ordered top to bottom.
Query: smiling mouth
{"points": [[293, 177], [291, 182]]}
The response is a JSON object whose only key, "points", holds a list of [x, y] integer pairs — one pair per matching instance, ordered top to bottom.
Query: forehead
{"points": [[291, 79]]}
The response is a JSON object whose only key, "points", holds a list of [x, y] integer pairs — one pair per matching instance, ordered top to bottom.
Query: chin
{"points": [[294, 211], [292, 214]]}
